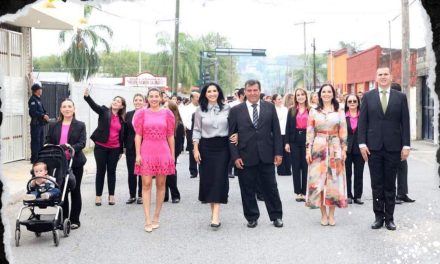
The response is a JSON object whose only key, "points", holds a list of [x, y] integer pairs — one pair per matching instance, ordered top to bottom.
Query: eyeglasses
{"points": [[352, 101]]}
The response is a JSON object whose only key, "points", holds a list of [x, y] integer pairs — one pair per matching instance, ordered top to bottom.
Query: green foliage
{"points": [[81, 58], [125, 62], [52, 63], [321, 71]]}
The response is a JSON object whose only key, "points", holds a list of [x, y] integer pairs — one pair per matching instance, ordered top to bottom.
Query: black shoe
{"points": [[193, 176], [260, 198], [405, 198], [131, 200], [139, 200], [165, 200], [175, 200], [349, 200], [358, 201], [398, 201], [252, 223], [278, 223], [377, 224], [390, 225], [74, 226], [216, 226]]}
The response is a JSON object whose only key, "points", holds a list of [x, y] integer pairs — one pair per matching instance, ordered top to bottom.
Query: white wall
{"points": [[102, 94]]}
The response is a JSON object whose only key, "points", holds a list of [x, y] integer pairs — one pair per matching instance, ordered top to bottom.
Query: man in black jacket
{"points": [[39, 119], [384, 141], [259, 148]]}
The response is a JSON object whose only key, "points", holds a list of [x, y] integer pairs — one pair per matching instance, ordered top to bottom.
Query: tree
{"points": [[352, 47], [81, 58], [125, 62], [52, 63], [321, 71]]}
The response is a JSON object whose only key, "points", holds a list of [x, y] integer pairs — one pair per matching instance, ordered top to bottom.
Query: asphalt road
{"points": [[114, 234]]}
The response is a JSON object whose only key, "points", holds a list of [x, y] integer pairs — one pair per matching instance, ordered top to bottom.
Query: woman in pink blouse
{"points": [[154, 142], [295, 142], [354, 157]]}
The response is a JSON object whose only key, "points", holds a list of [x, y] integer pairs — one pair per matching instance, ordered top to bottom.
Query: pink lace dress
{"points": [[154, 127]]}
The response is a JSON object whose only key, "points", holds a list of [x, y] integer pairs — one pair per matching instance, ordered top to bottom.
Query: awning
{"points": [[59, 17]]}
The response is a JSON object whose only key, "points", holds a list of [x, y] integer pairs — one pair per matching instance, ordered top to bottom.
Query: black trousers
{"points": [[37, 140], [106, 160], [356, 161], [192, 162], [285, 167], [299, 168], [383, 169], [265, 173], [402, 178], [133, 180], [171, 185], [76, 201]]}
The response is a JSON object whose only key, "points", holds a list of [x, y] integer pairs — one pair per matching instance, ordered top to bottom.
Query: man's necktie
{"points": [[383, 100], [255, 115]]}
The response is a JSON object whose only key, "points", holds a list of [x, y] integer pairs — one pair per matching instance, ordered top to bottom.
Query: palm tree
{"points": [[81, 57], [321, 71]]}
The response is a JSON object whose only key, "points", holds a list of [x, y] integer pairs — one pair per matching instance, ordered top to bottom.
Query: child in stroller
{"points": [[44, 185], [47, 191]]}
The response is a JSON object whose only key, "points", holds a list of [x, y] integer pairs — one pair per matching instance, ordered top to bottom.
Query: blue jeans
{"points": [[54, 193]]}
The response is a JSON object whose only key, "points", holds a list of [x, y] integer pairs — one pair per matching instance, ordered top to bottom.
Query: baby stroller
{"points": [[57, 166]]}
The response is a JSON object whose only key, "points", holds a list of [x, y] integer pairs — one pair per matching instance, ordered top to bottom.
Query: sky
{"points": [[265, 24]]}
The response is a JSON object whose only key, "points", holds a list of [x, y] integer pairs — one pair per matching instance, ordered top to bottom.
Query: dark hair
{"points": [[252, 82], [396, 87], [240, 92], [140, 95], [262, 95], [274, 97], [358, 100], [203, 101], [295, 101], [334, 102], [173, 108], [121, 112], [60, 116], [39, 163]]}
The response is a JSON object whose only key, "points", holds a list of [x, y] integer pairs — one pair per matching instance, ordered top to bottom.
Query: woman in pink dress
{"points": [[154, 141]]}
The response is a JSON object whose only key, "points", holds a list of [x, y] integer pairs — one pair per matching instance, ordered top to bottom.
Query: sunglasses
{"points": [[352, 101]]}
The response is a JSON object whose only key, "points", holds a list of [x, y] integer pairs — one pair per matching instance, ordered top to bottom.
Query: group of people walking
{"points": [[318, 141]]}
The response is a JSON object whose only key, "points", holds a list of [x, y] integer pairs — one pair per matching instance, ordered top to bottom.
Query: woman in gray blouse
{"points": [[211, 149]]}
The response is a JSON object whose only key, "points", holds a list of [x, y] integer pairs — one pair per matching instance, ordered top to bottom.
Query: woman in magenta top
{"points": [[69, 131], [154, 142], [295, 142], [109, 146], [354, 157]]}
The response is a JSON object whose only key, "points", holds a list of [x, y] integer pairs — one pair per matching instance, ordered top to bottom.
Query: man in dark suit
{"points": [[39, 119], [384, 141], [259, 149], [402, 171]]}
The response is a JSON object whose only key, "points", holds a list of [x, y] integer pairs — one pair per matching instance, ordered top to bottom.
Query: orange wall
{"points": [[337, 76]]}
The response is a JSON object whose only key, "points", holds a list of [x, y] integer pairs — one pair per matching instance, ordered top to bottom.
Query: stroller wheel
{"points": [[66, 227], [37, 234], [17, 237], [56, 237]]}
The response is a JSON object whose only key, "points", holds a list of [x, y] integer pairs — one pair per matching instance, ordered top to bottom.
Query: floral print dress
{"points": [[326, 140]]}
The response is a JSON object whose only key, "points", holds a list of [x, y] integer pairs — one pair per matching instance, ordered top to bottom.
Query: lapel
{"points": [[391, 100], [378, 103], [244, 110], [263, 112], [71, 128], [349, 129], [57, 132]]}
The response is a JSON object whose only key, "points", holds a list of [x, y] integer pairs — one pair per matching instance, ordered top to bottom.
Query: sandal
{"points": [[111, 200], [98, 201], [324, 222], [155, 224], [148, 228]]}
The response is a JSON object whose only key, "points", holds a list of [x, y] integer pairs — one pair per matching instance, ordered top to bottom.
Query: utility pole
{"points": [[389, 36], [140, 46], [176, 48], [405, 49], [305, 50], [314, 65]]}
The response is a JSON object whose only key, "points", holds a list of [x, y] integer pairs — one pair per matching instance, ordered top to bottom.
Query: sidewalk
{"points": [[15, 175]]}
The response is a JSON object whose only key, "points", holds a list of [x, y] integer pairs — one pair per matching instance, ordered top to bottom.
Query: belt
{"points": [[301, 131], [327, 134]]}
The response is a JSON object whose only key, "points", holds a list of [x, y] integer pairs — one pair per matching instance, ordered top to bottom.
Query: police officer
{"points": [[39, 118]]}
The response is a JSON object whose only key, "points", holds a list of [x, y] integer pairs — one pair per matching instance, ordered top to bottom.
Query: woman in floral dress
{"points": [[154, 141], [326, 148]]}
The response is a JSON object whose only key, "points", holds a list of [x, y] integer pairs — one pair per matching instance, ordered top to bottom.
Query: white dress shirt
{"points": [[251, 109], [282, 112], [187, 115]]}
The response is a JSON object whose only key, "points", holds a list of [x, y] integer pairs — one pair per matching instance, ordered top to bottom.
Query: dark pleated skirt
{"points": [[213, 170]]}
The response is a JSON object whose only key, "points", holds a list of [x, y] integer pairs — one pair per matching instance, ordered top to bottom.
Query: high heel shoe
{"points": [[111, 200], [98, 201], [324, 222], [332, 223], [155, 225], [148, 228]]}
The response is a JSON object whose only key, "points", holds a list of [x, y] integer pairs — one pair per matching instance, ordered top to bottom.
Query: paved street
{"points": [[114, 234]]}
